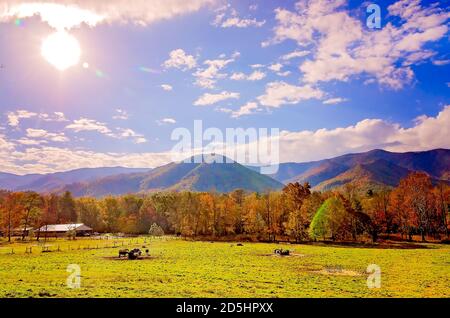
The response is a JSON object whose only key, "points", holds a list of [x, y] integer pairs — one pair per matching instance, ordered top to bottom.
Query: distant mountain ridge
{"points": [[375, 167], [369, 169], [193, 176], [52, 181]]}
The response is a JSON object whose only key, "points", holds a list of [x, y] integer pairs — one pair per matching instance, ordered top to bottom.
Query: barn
{"points": [[62, 229], [19, 231]]}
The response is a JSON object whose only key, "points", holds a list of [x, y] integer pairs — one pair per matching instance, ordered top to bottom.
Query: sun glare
{"points": [[61, 49]]}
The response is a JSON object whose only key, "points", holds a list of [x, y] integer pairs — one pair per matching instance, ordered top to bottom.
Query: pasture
{"points": [[179, 268]]}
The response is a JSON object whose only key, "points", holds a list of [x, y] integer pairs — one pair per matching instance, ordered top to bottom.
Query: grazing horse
{"points": [[282, 252], [123, 253], [134, 253]]}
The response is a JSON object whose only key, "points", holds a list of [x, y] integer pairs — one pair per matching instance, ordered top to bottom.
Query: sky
{"points": [[87, 83]]}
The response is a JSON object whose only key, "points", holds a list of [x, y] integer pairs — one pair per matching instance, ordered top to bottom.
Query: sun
{"points": [[61, 49]]}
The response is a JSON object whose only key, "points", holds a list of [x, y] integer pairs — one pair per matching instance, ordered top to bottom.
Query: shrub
{"points": [[156, 230]]}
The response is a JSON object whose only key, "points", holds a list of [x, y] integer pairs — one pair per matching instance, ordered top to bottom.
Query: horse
{"points": [[123, 252]]}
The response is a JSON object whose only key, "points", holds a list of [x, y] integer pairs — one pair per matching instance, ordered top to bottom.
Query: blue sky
{"points": [[313, 69]]}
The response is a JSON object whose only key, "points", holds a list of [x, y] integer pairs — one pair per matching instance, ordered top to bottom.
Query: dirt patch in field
{"points": [[282, 256], [142, 258], [336, 271]]}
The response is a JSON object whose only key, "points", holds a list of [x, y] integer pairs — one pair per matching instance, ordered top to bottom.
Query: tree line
{"points": [[415, 207]]}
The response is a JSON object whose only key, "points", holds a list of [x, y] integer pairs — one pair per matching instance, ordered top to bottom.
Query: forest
{"points": [[417, 207]]}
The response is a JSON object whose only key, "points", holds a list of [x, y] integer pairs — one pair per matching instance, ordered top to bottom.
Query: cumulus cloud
{"points": [[67, 14], [228, 17], [342, 47], [180, 60], [275, 67], [207, 76], [254, 76], [282, 93], [210, 99], [247, 109], [15, 117], [85, 124], [427, 132], [127, 133], [45, 135], [45, 159]]}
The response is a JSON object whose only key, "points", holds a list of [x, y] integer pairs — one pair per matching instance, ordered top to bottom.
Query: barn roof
{"points": [[64, 227]]}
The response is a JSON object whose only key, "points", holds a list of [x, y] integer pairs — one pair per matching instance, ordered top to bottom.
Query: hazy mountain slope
{"points": [[434, 162], [373, 167], [326, 170], [377, 173], [220, 177], [225, 178], [53, 181]]}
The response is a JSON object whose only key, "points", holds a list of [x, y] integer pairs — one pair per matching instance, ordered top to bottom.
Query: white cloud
{"points": [[67, 14], [228, 17], [343, 48], [294, 54], [179, 59], [441, 62], [257, 65], [275, 67], [284, 74], [254, 76], [207, 77], [166, 87], [281, 93], [210, 99], [336, 100], [247, 109], [121, 114], [15, 117], [170, 121], [85, 124], [127, 133], [427, 133], [44, 134], [31, 142], [52, 159]]}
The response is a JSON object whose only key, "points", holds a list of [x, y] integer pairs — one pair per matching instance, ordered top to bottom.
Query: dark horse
{"points": [[123, 253]]}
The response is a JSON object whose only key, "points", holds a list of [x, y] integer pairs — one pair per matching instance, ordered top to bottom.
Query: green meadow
{"points": [[178, 268]]}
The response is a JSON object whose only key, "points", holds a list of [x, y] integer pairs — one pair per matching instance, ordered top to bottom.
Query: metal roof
{"points": [[64, 227]]}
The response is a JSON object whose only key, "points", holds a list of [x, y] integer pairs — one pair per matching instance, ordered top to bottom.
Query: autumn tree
{"points": [[418, 200], [67, 210]]}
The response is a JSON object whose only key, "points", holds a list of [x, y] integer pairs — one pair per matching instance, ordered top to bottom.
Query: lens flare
{"points": [[61, 49]]}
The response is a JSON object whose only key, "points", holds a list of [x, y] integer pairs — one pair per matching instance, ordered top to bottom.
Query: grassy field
{"points": [[180, 268]]}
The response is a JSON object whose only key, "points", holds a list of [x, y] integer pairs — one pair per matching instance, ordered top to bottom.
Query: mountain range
{"points": [[371, 169], [367, 170]]}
